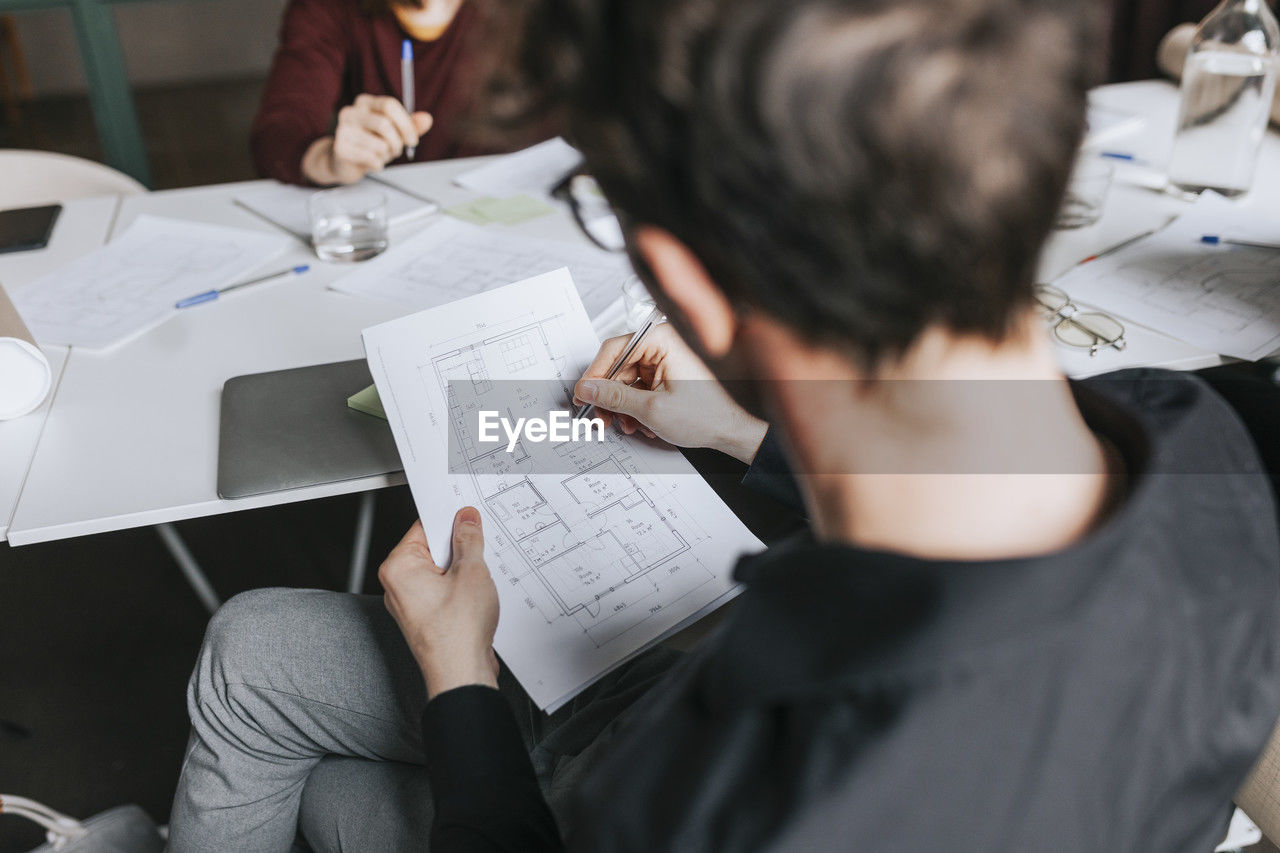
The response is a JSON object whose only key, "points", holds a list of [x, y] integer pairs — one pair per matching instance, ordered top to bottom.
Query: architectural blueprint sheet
{"points": [[450, 260], [132, 283], [1225, 299], [595, 556]]}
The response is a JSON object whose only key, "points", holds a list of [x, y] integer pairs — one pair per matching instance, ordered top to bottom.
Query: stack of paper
{"points": [[1105, 124], [533, 171], [450, 260], [132, 283], [1225, 298], [599, 548]]}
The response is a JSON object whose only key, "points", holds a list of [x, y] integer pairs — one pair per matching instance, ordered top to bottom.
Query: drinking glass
{"points": [[1086, 194], [348, 224], [636, 301]]}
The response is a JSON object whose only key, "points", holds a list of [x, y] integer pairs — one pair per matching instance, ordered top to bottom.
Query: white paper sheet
{"points": [[1105, 124], [534, 171], [285, 206], [450, 260], [132, 283], [1225, 299], [595, 556]]}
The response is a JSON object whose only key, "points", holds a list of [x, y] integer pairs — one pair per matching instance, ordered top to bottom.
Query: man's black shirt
{"points": [[1111, 696]]}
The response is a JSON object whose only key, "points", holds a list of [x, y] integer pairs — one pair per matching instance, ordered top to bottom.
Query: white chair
{"points": [[32, 178], [124, 829]]}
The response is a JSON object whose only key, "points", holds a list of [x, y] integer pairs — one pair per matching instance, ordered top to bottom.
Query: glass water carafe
{"points": [[1227, 85]]}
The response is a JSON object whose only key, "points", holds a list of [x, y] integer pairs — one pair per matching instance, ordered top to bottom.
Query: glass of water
{"points": [[1086, 193], [348, 224], [636, 301]]}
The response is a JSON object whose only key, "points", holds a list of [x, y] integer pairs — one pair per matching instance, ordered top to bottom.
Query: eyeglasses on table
{"points": [[591, 210], [1091, 330]]}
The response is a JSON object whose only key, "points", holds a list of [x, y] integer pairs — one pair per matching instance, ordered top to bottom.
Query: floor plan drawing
{"points": [[451, 260], [132, 283], [1224, 292], [1221, 298], [579, 526], [599, 547], [600, 564]]}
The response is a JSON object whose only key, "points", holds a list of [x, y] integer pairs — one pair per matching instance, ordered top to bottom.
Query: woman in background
{"points": [[331, 111]]}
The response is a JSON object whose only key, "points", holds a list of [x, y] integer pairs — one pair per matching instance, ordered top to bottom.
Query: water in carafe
{"points": [[1227, 85]]}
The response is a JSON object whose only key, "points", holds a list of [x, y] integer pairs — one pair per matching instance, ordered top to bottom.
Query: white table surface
{"points": [[1131, 210], [82, 227], [132, 436]]}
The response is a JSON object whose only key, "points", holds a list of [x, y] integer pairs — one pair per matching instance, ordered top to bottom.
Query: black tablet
{"points": [[26, 228]]}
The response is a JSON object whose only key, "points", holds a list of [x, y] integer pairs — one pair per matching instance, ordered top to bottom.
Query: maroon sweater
{"points": [[329, 53]]}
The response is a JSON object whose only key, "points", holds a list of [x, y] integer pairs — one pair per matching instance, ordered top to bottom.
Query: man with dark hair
{"points": [[1030, 614]]}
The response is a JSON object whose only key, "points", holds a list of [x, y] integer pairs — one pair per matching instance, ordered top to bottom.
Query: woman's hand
{"points": [[371, 132], [668, 393], [448, 616]]}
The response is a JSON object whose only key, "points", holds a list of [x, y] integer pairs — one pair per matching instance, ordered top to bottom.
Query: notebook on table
{"points": [[290, 429]]}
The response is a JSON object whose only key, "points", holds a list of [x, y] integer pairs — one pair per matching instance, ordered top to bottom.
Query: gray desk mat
{"points": [[291, 428]]}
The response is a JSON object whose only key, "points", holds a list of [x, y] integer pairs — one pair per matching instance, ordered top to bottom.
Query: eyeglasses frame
{"points": [[562, 191], [1066, 315]]}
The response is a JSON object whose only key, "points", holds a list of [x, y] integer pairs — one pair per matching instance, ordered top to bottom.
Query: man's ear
{"points": [[685, 282]]}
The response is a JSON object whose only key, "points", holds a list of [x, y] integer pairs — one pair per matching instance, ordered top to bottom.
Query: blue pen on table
{"points": [[406, 84], [1123, 157], [1215, 240], [210, 295]]}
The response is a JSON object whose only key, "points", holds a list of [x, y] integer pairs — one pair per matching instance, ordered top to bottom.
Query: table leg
{"points": [[109, 93], [360, 550], [190, 568]]}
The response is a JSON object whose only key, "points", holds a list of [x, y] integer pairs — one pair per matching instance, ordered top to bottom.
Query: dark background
{"points": [[1136, 29]]}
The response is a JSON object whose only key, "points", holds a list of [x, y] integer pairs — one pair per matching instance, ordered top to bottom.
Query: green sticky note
{"points": [[517, 209], [472, 211], [503, 211], [368, 401]]}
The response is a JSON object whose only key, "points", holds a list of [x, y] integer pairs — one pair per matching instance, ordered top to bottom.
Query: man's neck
{"points": [[964, 450]]}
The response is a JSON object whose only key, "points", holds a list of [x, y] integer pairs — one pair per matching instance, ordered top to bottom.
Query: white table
{"points": [[1131, 211], [83, 226], [131, 437]]}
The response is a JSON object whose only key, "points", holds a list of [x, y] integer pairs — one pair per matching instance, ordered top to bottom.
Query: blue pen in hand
{"points": [[406, 85], [210, 295]]}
